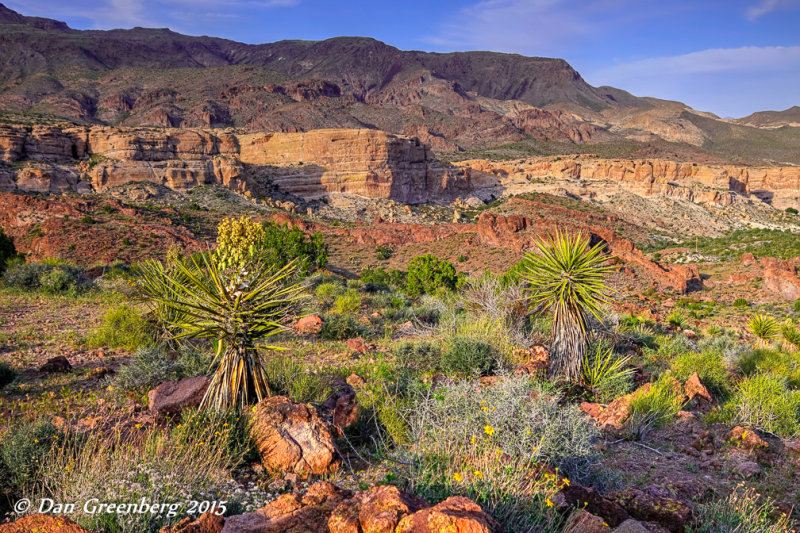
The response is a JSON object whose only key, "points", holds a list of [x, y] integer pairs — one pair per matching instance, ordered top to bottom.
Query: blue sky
{"points": [[729, 57]]}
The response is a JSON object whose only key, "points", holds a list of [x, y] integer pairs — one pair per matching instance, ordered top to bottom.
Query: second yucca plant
{"points": [[567, 278], [764, 327]]}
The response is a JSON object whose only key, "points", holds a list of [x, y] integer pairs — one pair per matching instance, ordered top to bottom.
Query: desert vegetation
{"points": [[524, 391]]}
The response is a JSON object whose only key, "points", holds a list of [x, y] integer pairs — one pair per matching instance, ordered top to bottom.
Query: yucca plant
{"points": [[567, 278], [237, 308], [764, 327], [791, 335], [605, 372]]}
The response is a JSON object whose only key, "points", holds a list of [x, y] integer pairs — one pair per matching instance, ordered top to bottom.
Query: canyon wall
{"points": [[371, 163], [779, 186]]}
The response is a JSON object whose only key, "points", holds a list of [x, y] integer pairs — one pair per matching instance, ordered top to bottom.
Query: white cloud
{"points": [[765, 7], [533, 27], [727, 81]]}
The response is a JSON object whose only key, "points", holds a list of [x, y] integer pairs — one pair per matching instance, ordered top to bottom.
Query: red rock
{"points": [[748, 259], [784, 283], [308, 325], [359, 345], [535, 361], [56, 364], [695, 390], [172, 397], [340, 409], [614, 415], [291, 437], [747, 439], [792, 448], [575, 495], [377, 510], [668, 512], [308, 513], [454, 515], [585, 522], [40, 523], [205, 523]]}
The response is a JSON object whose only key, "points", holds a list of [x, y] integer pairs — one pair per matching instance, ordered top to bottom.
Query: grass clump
{"points": [[347, 303], [122, 327], [337, 327], [424, 357], [467, 357], [774, 362], [151, 365], [710, 368], [765, 401], [656, 407], [23, 450], [743, 511]]}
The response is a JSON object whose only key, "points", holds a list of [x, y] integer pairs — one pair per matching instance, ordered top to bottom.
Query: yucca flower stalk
{"points": [[567, 278], [238, 308]]}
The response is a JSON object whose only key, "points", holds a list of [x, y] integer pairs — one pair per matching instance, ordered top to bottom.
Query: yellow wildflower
{"points": [[489, 430], [478, 474], [457, 477], [565, 481], [549, 502]]}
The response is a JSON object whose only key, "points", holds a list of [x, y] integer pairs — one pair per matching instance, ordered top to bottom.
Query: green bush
{"points": [[791, 210], [7, 250], [383, 252], [428, 273], [378, 276], [52, 277], [327, 291], [741, 302], [347, 303], [797, 306], [677, 319], [122, 327], [338, 327], [420, 357], [468, 357], [774, 362], [709, 366], [7, 375], [288, 378], [765, 402], [656, 407], [237, 442], [24, 448], [741, 512]]}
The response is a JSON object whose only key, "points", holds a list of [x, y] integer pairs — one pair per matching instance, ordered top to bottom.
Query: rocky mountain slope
{"points": [[453, 101]]}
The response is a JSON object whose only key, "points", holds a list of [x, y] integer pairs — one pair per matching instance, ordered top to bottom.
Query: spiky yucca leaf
{"points": [[567, 278], [238, 311], [764, 327], [791, 335], [603, 367]]}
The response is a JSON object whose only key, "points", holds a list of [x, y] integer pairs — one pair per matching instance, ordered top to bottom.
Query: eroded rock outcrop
{"points": [[309, 165], [699, 183]]}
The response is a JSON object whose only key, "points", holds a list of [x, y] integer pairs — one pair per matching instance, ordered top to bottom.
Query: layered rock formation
{"points": [[309, 165], [779, 186]]}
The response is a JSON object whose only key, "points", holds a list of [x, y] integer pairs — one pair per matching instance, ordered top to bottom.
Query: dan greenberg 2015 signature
{"points": [[93, 506]]}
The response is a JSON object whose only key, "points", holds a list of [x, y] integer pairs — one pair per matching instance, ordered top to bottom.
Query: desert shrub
{"points": [[791, 210], [242, 241], [7, 250], [383, 252], [428, 273], [24, 275], [52, 277], [62, 279], [394, 279], [328, 291], [347, 303], [741, 303], [797, 306], [427, 314], [677, 319], [122, 327], [338, 327], [791, 335], [669, 347], [420, 357], [467, 357], [152, 364], [710, 368], [606, 374], [7, 375], [764, 401], [655, 407], [231, 424], [461, 430], [24, 448], [158, 466], [743, 511]]}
